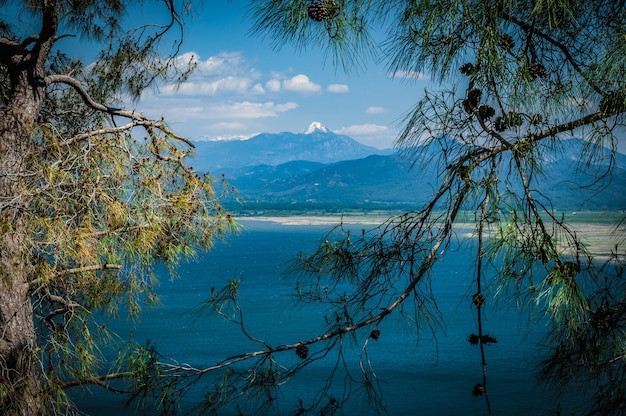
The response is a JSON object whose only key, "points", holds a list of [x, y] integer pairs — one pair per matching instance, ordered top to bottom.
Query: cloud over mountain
{"points": [[300, 83]]}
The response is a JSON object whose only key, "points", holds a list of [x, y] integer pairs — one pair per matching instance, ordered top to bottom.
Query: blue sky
{"points": [[243, 87]]}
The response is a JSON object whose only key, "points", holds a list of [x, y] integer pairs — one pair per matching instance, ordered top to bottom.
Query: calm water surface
{"points": [[423, 375]]}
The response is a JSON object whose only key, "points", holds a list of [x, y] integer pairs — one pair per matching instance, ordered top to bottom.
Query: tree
{"points": [[516, 78], [92, 194], [87, 207]]}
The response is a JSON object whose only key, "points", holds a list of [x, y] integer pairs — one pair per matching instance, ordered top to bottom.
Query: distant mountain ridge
{"points": [[316, 144], [321, 168], [379, 180]]}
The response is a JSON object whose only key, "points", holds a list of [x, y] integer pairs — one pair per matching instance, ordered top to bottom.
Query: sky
{"points": [[242, 87]]}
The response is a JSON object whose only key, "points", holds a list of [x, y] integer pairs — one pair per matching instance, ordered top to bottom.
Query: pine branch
{"points": [[568, 56], [138, 118], [95, 267], [415, 278], [99, 381]]}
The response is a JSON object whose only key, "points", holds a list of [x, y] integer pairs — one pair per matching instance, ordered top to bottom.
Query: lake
{"points": [[422, 373]]}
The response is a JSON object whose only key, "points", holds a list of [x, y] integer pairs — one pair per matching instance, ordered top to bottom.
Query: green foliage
{"points": [[344, 36], [516, 77], [99, 197]]}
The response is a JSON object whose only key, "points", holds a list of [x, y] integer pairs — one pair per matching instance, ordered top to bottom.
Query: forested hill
{"points": [[322, 169]]}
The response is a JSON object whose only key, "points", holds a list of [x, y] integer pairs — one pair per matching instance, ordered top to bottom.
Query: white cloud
{"points": [[224, 63], [227, 73], [411, 75], [300, 83], [227, 85], [273, 85], [338, 88], [258, 89], [247, 109], [375, 110], [193, 112], [181, 113], [228, 125], [360, 129], [370, 134], [224, 138]]}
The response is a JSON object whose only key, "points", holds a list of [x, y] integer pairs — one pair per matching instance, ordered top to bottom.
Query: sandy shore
{"points": [[322, 219], [600, 238]]}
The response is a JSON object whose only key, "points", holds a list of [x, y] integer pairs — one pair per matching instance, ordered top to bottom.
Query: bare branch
{"points": [[568, 56], [78, 87], [138, 118], [99, 132], [95, 267], [61, 300], [99, 381]]}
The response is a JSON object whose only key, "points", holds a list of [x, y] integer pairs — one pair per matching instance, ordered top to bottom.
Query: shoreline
{"points": [[597, 228]]}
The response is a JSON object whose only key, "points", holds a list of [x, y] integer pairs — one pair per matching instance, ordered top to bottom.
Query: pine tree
{"points": [[514, 79], [92, 196]]}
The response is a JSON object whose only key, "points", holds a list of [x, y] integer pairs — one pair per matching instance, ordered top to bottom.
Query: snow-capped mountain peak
{"points": [[316, 126]]}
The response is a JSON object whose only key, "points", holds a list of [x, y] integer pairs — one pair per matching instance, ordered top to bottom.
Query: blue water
{"points": [[422, 373]]}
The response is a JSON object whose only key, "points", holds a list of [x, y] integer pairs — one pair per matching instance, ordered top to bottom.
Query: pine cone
{"points": [[320, 11], [467, 69], [536, 71], [474, 95], [472, 100], [613, 103], [486, 111], [508, 120], [500, 124], [478, 299], [375, 334], [488, 339], [302, 351], [479, 390]]}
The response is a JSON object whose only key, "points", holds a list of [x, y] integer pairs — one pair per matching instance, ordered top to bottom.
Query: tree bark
{"points": [[19, 368], [21, 392]]}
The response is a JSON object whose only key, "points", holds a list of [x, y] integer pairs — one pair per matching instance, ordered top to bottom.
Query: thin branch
{"points": [[531, 29], [78, 87], [139, 118], [146, 123], [569, 126], [92, 133], [95, 267], [416, 277], [61, 300], [98, 380]]}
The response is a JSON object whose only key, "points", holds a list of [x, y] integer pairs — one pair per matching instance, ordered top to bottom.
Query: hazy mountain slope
{"points": [[317, 144], [388, 179]]}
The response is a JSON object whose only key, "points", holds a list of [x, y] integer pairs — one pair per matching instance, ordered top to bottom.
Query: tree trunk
{"points": [[19, 364], [20, 370], [21, 391]]}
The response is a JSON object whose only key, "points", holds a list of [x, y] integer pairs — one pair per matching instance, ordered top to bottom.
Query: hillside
{"points": [[316, 144], [319, 168], [387, 180]]}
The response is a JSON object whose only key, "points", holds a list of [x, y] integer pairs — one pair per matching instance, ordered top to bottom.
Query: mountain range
{"points": [[316, 144], [321, 169]]}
